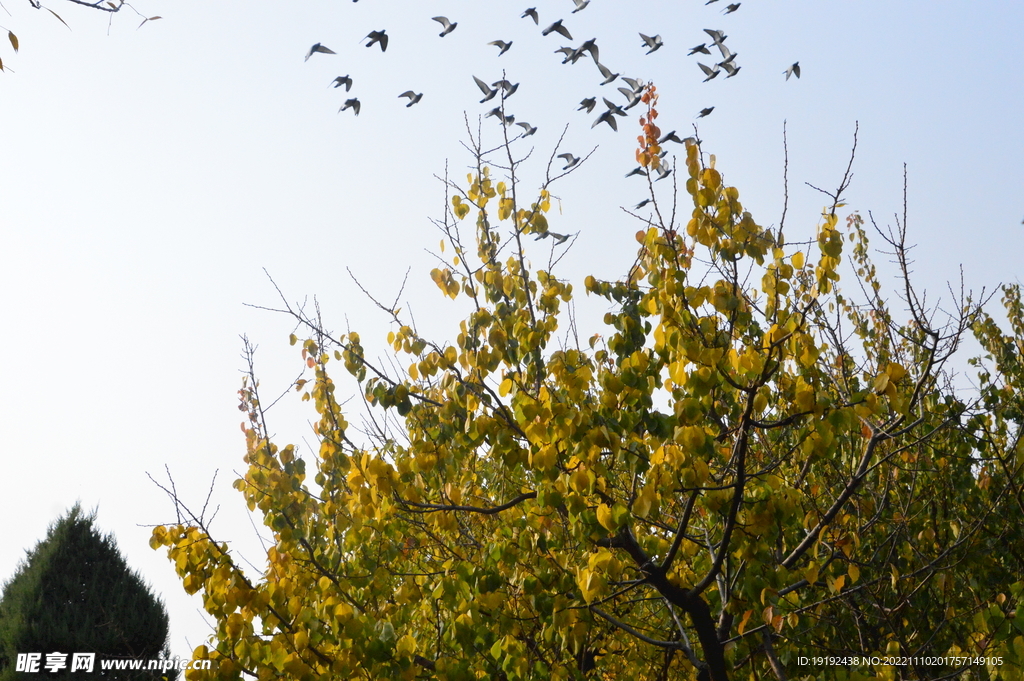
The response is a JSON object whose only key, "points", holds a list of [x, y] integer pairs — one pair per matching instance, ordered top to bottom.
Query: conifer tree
{"points": [[74, 593]]}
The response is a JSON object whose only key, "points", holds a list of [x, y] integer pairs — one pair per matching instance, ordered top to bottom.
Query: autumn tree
{"points": [[744, 467], [74, 593]]}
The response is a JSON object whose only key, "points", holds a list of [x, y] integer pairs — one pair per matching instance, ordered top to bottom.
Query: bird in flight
{"points": [[580, 4], [729, 9], [532, 13], [446, 25], [557, 28], [717, 36], [378, 37], [654, 42], [502, 45], [588, 46], [319, 48], [700, 48], [727, 55], [730, 68], [793, 70], [708, 71], [607, 73], [343, 80], [637, 85], [507, 88], [489, 92], [413, 97], [632, 97], [589, 103], [351, 104], [613, 107], [705, 112], [606, 117], [530, 129], [670, 137], [570, 160], [637, 171], [645, 201], [559, 238]]}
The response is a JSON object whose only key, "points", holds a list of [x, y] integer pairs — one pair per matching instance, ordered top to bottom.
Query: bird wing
{"points": [[532, 13], [443, 21], [563, 31], [707, 69], [482, 85], [408, 93]]}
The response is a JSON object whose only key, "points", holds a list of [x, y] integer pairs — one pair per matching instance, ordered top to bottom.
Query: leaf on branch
{"points": [[58, 17], [148, 19], [14, 40]]}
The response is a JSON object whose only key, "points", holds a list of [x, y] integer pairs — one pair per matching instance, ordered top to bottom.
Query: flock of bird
{"points": [[570, 55], [503, 89]]}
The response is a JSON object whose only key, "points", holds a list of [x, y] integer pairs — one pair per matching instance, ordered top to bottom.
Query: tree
{"points": [[750, 468], [74, 593]]}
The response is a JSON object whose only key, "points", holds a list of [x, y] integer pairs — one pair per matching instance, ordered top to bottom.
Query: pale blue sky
{"points": [[148, 176]]}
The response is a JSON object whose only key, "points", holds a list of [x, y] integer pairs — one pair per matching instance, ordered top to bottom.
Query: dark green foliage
{"points": [[74, 593]]}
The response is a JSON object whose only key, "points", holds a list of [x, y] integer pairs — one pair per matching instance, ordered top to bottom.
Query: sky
{"points": [[153, 180]]}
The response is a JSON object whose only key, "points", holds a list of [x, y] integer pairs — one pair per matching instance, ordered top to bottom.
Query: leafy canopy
{"points": [[749, 467]]}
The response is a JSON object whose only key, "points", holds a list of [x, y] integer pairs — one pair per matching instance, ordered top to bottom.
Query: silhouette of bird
{"points": [[710, 1], [580, 4], [729, 9], [532, 13], [446, 25], [557, 28], [717, 36], [378, 37], [652, 42], [502, 45], [589, 46], [318, 48], [700, 48], [727, 55], [730, 68], [793, 70], [708, 71], [607, 73], [343, 80], [637, 85], [508, 89], [489, 92], [413, 97], [632, 97], [589, 103], [351, 104], [613, 107], [496, 112], [705, 112], [606, 117], [530, 129], [670, 137], [570, 160], [637, 171], [663, 172], [645, 201], [559, 238]]}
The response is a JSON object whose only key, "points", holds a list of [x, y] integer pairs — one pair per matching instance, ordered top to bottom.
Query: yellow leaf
{"points": [[14, 40], [798, 260], [505, 387], [604, 516], [854, 573]]}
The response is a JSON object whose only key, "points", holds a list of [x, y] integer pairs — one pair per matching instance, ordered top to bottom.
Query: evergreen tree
{"points": [[74, 593]]}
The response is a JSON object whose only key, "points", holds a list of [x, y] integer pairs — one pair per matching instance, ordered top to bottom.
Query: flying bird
{"points": [[710, 1], [580, 4], [729, 9], [532, 13], [447, 26], [557, 28], [717, 36], [378, 37], [652, 42], [502, 45], [588, 46], [319, 48], [700, 48], [567, 52], [727, 54], [730, 68], [793, 70], [708, 71], [607, 73], [343, 80], [637, 85], [508, 89], [489, 92], [413, 97], [632, 97], [589, 103], [351, 104], [614, 108], [496, 112], [705, 112], [606, 117], [530, 129], [670, 137], [570, 160], [639, 170], [663, 172], [645, 201], [559, 238]]}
